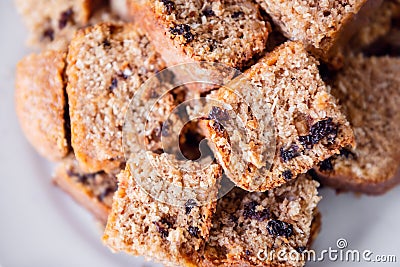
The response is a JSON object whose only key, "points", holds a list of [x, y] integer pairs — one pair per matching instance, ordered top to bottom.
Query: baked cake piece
{"points": [[55, 21], [379, 24], [321, 25], [228, 32], [107, 63], [368, 89], [41, 104], [288, 109], [94, 191], [143, 226], [248, 226]]}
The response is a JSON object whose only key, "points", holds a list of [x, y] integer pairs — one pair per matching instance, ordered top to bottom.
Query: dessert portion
{"points": [[53, 23], [323, 26], [228, 32], [107, 63], [368, 88], [40, 103], [289, 121], [94, 191], [139, 224], [248, 227]]}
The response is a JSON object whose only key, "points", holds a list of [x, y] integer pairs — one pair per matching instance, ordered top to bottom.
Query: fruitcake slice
{"points": [[51, 21], [323, 26], [228, 32], [107, 63], [368, 88], [41, 104], [289, 121], [94, 191], [249, 227], [168, 232]]}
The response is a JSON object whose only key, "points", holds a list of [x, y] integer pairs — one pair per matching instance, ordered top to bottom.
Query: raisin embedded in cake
{"points": [[228, 32], [107, 63], [368, 88], [40, 103], [307, 123], [94, 191], [141, 225], [248, 225]]}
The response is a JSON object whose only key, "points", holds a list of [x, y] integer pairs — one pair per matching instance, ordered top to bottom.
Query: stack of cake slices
{"points": [[316, 89]]}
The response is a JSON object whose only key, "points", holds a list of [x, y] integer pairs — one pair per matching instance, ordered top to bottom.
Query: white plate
{"points": [[40, 226]]}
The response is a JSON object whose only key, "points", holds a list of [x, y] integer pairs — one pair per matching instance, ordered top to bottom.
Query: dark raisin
{"points": [[169, 6], [208, 12], [237, 14], [65, 17], [48, 34], [188, 37], [106, 43], [114, 84], [218, 114], [218, 127], [325, 128], [322, 129], [290, 153], [348, 154], [326, 165], [288, 175], [82, 178], [189, 205], [250, 212], [233, 218], [166, 221], [280, 228], [194, 231], [164, 232], [300, 249], [247, 252]]}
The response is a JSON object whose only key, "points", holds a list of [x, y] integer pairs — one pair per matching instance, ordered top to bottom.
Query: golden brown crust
{"points": [[40, 102]]}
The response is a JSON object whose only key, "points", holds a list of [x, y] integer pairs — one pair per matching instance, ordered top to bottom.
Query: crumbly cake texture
{"points": [[51, 22], [379, 24], [321, 25], [228, 32], [107, 63], [368, 89], [40, 103], [308, 125], [94, 191], [246, 223], [140, 225]]}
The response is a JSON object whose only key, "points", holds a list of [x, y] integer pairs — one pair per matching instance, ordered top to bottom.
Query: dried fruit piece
{"points": [[290, 153], [189, 205], [250, 212], [280, 228], [194, 231]]}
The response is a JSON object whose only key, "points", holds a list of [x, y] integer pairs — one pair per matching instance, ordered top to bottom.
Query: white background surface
{"points": [[40, 226]]}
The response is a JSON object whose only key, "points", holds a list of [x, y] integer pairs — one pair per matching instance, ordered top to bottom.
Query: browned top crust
{"points": [[40, 102]]}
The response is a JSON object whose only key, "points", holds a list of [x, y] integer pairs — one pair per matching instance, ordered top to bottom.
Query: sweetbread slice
{"points": [[51, 21], [323, 26], [228, 32], [107, 63], [368, 88], [40, 103], [289, 121], [94, 191], [142, 225], [249, 226]]}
